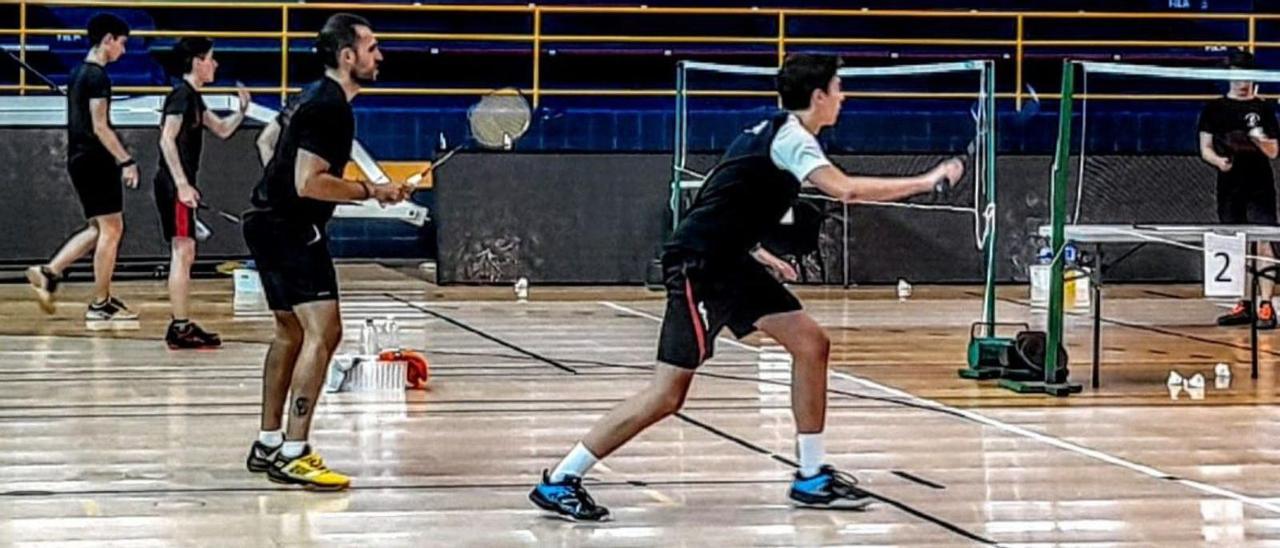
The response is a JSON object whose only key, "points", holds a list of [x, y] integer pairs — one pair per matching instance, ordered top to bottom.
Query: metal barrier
{"points": [[1017, 43]]}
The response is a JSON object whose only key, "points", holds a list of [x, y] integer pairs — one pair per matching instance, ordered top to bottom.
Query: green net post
{"points": [[989, 163], [1058, 214], [986, 350]]}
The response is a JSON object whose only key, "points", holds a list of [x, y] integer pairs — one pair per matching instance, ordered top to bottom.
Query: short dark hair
{"points": [[103, 24], [338, 33], [187, 50], [1239, 59], [801, 73]]}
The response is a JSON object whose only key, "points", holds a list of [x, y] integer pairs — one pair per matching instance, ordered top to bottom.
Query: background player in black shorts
{"points": [[1238, 137], [181, 141], [98, 163], [286, 235], [717, 276]]}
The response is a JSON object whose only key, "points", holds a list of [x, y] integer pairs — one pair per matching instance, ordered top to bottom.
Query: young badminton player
{"points": [[716, 276]]}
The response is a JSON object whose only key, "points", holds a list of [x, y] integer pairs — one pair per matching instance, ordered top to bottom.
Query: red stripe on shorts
{"points": [[180, 218], [699, 330]]}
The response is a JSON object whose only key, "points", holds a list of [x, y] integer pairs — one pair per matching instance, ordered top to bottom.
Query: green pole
{"points": [[989, 164], [1058, 214]]}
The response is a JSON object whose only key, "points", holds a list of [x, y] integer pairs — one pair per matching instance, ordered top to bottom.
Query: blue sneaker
{"points": [[829, 488], [568, 499]]}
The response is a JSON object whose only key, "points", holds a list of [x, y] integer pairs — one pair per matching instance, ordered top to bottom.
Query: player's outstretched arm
{"points": [[864, 188]]}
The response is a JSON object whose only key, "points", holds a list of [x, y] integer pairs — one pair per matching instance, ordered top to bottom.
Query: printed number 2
{"points": [[1226, 263]]}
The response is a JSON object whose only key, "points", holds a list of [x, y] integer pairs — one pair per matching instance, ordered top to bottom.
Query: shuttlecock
{"points": [[521, 289], [904, 289], [1222, 370], [1174, 379], [1195, 381], [1196, 393]]}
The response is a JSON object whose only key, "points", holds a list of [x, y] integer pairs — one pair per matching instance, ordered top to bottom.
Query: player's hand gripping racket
{"points": [[497, 121]]}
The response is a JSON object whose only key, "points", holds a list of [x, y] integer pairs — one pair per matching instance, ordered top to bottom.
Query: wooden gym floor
{"points": [[111, 439]]}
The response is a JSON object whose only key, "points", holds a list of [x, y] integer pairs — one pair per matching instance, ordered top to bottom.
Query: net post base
{"points": [[1040, 387]]}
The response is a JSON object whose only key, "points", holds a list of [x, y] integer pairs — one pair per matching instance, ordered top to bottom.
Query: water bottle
{"points": [[1070, 254], [1045, 255], [369, 337], [392, 339]]}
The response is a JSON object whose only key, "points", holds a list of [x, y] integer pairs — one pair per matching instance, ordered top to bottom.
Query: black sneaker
{"points": [[45, 284], [110, 314], [1242, 314], [190, 335], [260, 456], [829, 488], [567, 499]]}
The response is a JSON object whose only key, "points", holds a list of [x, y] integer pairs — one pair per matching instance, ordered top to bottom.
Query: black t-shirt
{"points": [[88, 81], [185, 101], [319, 120], [1229, 122], [742, 200]]}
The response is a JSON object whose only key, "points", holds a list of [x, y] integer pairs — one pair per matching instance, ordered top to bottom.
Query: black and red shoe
{"points": [[1242, 314], [1266, 316], [188, 335]]}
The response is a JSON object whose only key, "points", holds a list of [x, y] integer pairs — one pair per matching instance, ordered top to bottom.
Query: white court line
{"points": [[1014, 429]]}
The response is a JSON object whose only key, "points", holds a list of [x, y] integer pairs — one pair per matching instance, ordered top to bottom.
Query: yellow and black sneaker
{"points": [[260, 456], [307, 470]]}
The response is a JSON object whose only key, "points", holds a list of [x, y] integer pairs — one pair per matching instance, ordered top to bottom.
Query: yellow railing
{"points": [[1017, 42]]}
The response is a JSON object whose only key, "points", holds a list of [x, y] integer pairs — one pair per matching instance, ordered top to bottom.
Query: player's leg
{"points": [[87, 178], [1233, 209], [1262, 211], [179, 229], [44, 279], [313, 293], [764, 304], [105, 310], [685, 342], [277, 371], [277, 374]]}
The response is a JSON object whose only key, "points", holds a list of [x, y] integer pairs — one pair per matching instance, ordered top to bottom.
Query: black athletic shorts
{"points": [[97, 183], [1248, 206], [176, 219], [293, 260], [702, 299]]}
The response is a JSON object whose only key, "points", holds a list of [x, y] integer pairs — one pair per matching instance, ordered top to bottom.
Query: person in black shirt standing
{"points": [[1238, 137], [181, 142], [98, 163], [286, 236], [717, 276]]}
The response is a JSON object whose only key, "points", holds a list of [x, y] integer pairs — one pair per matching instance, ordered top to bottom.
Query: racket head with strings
{"points": [[500, 118], [496, 122]]}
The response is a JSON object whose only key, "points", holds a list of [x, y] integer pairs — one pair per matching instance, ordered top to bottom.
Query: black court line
{"points": [[1164, 295], [550, 361], [744, 443], [912, 477], [899, 505]]}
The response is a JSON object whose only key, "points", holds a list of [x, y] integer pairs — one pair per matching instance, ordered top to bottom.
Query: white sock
{"points": [[271, 438], [293, 449], [811, 453], [576, 464]]}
